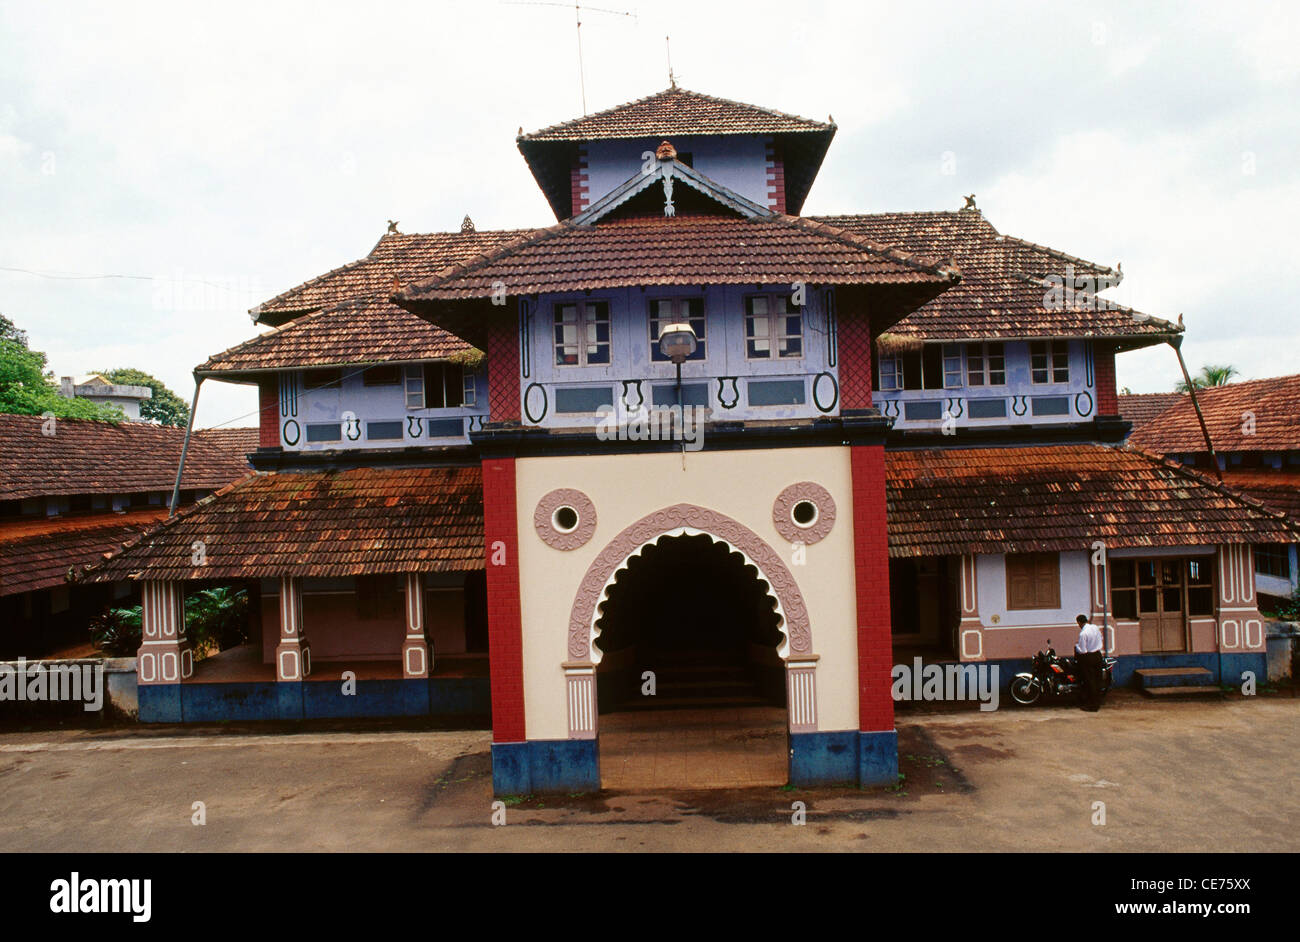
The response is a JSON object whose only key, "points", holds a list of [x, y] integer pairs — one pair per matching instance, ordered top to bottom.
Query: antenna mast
{"points": [[577, 16], [668, 44]]}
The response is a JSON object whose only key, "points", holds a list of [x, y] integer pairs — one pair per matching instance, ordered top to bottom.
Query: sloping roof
{"points": [[676, 111], [674, 114], [681, 250], [396, 255], [1002, 294], [351, 333], [1141, 408], [1258, 415], [85, 457], [1276, 489], [1060, 497], [364, 520], [38, 554]]}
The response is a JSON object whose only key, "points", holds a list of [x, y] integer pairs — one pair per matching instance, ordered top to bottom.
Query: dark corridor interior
{"points": [[693, 612]]}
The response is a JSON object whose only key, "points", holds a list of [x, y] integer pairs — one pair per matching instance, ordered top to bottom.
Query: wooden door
{"points": [[1162, 604]]}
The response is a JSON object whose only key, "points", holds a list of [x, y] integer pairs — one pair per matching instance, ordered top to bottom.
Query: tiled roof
{"points": [[676, 111], [681, 250], [396, 255], [1001, 294], [993, 300], [354, 332], [1141, 408], [1259, 415], [85, 457], [1276, 489], [1060, 497], [365, 520], [38, 554]]}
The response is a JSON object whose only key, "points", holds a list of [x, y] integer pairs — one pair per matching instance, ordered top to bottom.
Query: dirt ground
{"points": [[1172, 776]]}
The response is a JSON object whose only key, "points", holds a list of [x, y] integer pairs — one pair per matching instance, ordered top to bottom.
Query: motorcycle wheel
{"points": [[1025, 691]]}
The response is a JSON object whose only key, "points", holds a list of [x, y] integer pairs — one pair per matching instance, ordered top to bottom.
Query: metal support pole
{"points": [[1177, 343], [185, 447]]}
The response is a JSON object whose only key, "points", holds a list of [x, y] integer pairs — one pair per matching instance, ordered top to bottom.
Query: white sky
{"points": [[238, 150]]}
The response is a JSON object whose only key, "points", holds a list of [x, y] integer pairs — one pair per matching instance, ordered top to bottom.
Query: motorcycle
{"points": [[1055, 676]]}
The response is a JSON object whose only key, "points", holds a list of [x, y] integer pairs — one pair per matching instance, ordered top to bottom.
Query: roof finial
{"points": [[672, 79], [666, 151], [970, 203], [467, 224], [392, 227]]}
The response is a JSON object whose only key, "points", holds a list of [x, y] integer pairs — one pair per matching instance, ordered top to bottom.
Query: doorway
{"points": [[690, 688]]}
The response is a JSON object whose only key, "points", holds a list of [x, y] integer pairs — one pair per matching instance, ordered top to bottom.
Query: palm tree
{"points": [[1210, 375]]}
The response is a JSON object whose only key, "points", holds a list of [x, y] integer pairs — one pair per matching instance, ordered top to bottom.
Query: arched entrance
{"points": [[693, 606]]}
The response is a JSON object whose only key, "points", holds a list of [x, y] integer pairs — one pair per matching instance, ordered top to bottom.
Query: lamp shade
{"points": [[677, 342]]}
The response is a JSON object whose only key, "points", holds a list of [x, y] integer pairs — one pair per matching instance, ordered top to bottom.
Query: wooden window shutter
{"points": [[1033, 580], [1020, 581]]}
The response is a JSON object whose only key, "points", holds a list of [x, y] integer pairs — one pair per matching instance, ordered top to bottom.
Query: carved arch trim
{"points": [[689, 520]]}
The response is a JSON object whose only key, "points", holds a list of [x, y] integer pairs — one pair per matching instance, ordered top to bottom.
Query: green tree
{"points": [[10, 331], [1210, 375], [26, 388], [165, 408]]}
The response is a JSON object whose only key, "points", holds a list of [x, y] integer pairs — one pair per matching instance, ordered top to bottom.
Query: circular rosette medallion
{"points": [[804, 513], [565, 519]]}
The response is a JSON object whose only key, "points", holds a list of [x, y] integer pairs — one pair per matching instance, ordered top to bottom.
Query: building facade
{"points": [[482, 471]]}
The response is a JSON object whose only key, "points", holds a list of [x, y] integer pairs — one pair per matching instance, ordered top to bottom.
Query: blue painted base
{"points": [[1129, 664], [270, 700], [159, 703], [846, 757], [545, 765]]}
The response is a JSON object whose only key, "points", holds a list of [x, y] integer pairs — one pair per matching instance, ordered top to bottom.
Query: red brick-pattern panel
{"points": [[775, 180], [579, 182], [853, 329], [503, 369], [1104, 369], [268, 411], [871, 569], [505, 617]]}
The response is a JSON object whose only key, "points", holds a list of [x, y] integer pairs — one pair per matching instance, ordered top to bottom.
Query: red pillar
{"points": [[855, 360], [503, 368], [1107, 397], [268, 404], [871, 565], [505, 621]]}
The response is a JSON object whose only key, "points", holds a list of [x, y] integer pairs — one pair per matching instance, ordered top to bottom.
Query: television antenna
{"points": [[577, 16]]}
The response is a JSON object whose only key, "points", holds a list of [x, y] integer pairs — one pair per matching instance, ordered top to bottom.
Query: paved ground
{"points": [[712, 748], [1173, 776]]}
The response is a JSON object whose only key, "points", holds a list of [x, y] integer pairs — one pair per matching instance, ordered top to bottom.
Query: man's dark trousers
{"points": [[1090, 677]]}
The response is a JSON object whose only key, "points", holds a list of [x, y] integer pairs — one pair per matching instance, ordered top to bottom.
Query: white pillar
{"points": [[970, 633], [165, 655], [293, 655], [416, 659], [580, 692], [801, 692]]}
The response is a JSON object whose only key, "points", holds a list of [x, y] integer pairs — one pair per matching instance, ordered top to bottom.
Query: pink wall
{"points": [[331, 627]]}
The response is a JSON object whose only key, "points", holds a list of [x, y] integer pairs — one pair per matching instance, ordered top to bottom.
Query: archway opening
{"points": [[690, 686]]}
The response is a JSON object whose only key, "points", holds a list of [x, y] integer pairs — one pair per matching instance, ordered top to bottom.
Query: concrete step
{"points": [[1153, 677], [1181, 691]]}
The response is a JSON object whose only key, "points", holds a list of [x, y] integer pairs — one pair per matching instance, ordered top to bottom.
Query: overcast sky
{"points": [[220, 156]]}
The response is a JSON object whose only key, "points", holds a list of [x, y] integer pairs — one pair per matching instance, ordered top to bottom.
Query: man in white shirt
{"points": [[1087, 651]]}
